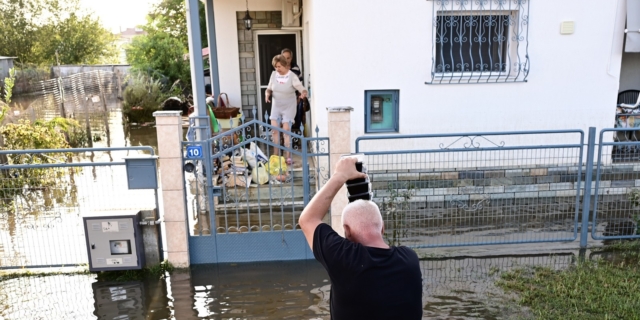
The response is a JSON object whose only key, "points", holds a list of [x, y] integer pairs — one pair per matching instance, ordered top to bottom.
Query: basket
{"points": [[223, 110]]}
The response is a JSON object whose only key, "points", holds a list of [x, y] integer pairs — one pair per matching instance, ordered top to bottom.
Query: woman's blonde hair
{"points": [[279, 59]]}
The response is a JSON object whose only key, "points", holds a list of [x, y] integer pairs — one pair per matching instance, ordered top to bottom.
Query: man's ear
{"points": [[347, 231], [382, 232]]}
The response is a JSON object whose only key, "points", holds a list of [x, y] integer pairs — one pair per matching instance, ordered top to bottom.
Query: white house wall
{"points": [[227, 41], [380, 44]]}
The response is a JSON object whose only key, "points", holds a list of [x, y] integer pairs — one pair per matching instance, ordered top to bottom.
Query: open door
{"points": [[270, 45]]}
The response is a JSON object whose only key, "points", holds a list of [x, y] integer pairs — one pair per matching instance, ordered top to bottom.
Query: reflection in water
{"points": [[453, 288]]}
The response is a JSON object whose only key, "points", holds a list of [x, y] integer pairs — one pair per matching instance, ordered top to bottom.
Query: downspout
{"points": [[213, 48]]}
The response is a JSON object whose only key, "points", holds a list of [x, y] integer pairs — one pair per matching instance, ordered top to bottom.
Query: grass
{"points": [[4, 276], [600, 289]]}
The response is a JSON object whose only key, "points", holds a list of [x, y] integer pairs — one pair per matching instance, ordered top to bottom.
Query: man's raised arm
{"points": [[313, 213]]}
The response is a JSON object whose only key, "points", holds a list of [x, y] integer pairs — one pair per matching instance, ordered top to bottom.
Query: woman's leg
{"points": [[275, 136], [287, 138]]}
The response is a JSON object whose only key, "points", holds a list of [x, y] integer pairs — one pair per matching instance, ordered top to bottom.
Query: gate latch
{"points": [[216, 191]]}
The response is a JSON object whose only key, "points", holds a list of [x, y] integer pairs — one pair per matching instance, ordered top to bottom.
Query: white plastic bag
{"points": [[260, 156]]}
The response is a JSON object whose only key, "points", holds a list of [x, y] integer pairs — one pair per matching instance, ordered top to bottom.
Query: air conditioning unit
{"points": [[291, 13]]}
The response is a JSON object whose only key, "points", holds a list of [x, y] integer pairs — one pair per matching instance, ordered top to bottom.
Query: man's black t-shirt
{"points": [[367, 282]]}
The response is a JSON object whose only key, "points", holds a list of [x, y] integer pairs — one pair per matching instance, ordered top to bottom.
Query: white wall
{"points": [[227, 41], [380, 44]]}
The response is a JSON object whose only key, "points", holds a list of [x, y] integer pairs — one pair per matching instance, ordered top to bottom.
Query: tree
{"points": [[170, 16], [33, 30], [77, 40], [161, 52], [159, 55]]}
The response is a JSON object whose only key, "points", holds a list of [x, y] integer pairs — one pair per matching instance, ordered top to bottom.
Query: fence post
{"points": [[339, 125], [169, 132], [305, 170], [586, 200]]}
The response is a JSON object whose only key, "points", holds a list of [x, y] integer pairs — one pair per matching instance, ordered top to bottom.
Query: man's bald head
{"points": [[363, 218]]}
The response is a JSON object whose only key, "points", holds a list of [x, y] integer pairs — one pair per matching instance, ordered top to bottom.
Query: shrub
{"points": [[142, 97]]}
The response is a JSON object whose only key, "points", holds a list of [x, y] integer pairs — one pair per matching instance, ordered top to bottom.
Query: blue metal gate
{"points": [[239, 206]]}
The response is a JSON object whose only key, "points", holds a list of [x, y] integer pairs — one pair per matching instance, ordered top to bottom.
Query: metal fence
{"points": [[87, 97], [477, 188], [499, 188], [41, 204], [616, 210]]}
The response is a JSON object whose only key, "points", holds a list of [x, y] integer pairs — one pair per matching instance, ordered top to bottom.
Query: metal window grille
{"points": [[480, 41]]}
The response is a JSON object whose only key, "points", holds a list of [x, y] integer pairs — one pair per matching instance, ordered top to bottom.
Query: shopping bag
{"points": [[277, 165], [259, 174]]}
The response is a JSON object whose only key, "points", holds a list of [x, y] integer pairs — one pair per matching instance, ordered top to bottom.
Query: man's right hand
{"points": [[346, 170]]}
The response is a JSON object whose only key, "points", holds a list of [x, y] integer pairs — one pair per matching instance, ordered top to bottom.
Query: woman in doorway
{"points": [[282, 90]]}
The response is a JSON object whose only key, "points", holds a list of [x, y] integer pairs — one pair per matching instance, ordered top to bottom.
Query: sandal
{"points": [[289, 161]]}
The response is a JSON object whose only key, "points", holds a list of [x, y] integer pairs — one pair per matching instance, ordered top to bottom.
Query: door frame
{"points": [[256, 50]]}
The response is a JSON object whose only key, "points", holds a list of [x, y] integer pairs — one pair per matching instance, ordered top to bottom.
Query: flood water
{"points": [[454, 288]]}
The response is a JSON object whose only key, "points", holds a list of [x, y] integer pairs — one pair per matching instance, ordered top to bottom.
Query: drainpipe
{"points": [[213, 48]]}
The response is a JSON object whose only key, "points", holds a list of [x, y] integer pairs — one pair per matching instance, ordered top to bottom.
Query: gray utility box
{"points": [[142, 172], [114, 242]]}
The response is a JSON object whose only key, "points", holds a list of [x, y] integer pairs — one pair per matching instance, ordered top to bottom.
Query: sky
{"points": [[117, 14]]}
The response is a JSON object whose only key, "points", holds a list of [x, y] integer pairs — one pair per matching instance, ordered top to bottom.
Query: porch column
{"points": [[213, 48], [197, 69], [339, 127], [169, 132]]}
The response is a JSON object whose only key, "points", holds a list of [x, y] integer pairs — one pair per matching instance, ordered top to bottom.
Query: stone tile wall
{"points": [[262, 20]]}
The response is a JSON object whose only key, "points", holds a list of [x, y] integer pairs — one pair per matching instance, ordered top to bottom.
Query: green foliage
{"points": [[170, 17], [33, 30], [77, 40], [160, 53], [9, 82], [142, 97], [27, 182], [394, 209], [158, 271], [590, 290]]}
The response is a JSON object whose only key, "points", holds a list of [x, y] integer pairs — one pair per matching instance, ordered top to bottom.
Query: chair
{"points": [[629, 98], [628, 103]]}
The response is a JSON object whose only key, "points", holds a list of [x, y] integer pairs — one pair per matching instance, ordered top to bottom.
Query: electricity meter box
{"points": [[114, 242]]}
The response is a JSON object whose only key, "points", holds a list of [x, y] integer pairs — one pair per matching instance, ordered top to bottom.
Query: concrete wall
{"points": [[377, 44], [70, 70]]}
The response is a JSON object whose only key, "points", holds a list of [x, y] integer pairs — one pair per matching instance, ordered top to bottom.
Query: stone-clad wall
{"points": [[262, 20], [507, 183]]}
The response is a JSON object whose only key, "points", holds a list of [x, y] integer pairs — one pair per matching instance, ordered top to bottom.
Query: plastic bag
{"points": [[260, 156], [277, 165], [259, 174]]}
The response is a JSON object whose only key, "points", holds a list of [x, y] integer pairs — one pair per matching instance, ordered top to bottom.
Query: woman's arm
{"points": [[298, 86]]}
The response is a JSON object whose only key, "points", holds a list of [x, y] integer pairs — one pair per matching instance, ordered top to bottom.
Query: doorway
{"points": [[270, 44]]}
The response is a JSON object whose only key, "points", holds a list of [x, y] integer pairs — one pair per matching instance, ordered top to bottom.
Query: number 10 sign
{"points": [[194, 151]]}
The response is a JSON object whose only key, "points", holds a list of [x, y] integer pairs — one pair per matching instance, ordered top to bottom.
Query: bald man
{"points": [[369, 279]]}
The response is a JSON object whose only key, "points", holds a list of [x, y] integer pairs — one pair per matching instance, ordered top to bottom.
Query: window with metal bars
{"points": [[480, 41]]}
